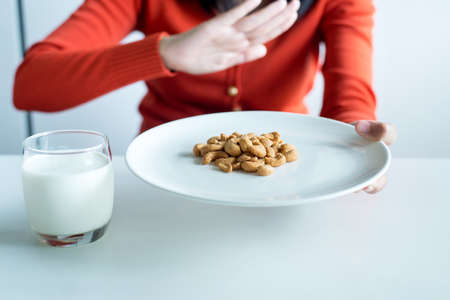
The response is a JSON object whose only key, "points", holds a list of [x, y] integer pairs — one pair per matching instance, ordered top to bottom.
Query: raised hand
{"points": [[229, 39]]}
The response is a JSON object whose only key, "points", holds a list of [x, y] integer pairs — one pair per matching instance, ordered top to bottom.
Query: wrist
{"points": [[164, 45]]}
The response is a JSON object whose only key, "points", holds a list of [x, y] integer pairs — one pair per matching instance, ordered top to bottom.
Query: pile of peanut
{"points": [[248, 152]]}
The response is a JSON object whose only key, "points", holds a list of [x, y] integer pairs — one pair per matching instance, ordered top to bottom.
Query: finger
{"points": [[233, 15], [260, 17], [274, 24], [277, 31], [236, 42], [237, 46], [255, 52], [251, 54], [229, 59], [224, 60], [376, 131], [391, 134], [377, 186]]}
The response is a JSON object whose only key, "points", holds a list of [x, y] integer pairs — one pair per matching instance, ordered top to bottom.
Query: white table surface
{"points": [[395, 245]]}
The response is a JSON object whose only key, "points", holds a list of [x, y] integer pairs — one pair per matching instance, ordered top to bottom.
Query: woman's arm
{"points": [[347, 31], [82, 59], [349, 97]]}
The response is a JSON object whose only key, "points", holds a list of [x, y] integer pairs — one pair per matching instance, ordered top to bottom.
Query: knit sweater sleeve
{"points": [[347, 30], [83, 59]]}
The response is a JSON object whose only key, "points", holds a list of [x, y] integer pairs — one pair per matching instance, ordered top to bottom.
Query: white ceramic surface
{"points": [[333, 159], [393, 245]]}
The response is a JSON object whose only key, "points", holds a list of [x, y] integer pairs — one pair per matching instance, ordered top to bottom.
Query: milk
{"points": [[68, 194]]}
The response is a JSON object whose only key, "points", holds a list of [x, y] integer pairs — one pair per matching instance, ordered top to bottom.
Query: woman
{"points": [[203, 56]]}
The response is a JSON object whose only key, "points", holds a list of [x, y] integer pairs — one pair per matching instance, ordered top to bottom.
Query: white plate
{"points": [[334, 160]]}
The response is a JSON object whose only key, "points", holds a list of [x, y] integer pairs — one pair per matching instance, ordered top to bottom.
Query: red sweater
{"points": [[82, 59]]}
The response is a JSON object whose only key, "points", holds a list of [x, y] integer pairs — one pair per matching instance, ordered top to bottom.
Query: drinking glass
{"points": [[68, 186]]}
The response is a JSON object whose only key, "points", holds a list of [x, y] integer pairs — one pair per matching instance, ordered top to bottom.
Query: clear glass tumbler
{"points": [[68, 186]]}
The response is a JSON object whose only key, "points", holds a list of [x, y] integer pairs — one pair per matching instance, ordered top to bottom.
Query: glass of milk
{"points": [[68, 186]]}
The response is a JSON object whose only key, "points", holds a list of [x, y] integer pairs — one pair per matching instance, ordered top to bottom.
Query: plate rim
{"points": [[296, 200]]}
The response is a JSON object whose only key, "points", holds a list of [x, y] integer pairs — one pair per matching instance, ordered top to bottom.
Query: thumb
{"points": [[376, 131]]}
